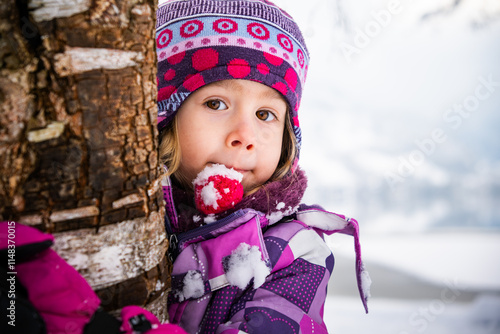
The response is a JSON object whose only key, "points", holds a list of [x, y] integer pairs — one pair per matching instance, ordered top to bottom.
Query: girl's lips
{"points": [[241, 170]]}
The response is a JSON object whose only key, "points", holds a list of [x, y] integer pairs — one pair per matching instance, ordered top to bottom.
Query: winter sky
{"points": [[401, 106]]}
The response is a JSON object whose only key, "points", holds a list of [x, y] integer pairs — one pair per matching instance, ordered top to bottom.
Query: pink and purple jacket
{"points": [[289, 299]]}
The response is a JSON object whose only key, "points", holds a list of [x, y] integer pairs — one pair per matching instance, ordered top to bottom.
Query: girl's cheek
{"points": [[266, 134], [271, 139]]}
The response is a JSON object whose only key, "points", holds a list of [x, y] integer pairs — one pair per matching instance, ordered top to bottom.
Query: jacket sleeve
{"points": [[293, 296]]}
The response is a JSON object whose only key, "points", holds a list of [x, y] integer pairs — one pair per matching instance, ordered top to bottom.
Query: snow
{"points": [[217, 169], [210, 195], [276, 216], [209, 219], [433, 257], [244, 264], [366, 283], [433, 283], [193, 286], [390, 316]]}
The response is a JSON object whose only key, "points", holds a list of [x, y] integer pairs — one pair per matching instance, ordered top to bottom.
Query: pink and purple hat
{"points": [[202, 41]]}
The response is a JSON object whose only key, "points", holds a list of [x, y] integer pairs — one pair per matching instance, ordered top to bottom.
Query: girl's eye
{"points": [[216, 105], [265, 115]]}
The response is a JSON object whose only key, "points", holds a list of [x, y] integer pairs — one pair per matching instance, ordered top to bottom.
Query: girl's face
{"points": [[238, 123]]}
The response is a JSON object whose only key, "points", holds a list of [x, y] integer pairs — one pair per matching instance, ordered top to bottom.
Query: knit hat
{"points": [[202, 41]]}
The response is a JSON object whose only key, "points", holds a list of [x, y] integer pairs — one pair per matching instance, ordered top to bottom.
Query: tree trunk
{"points": [[78, 140]]}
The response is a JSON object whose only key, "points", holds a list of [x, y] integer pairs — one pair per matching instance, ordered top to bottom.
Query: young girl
{"points": [[230, 78]]}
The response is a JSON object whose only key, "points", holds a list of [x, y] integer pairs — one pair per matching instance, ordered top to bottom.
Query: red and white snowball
{"points": [[217, 189]]}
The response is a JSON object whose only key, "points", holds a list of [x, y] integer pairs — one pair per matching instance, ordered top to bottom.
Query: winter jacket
{"points": [[247, 272]]}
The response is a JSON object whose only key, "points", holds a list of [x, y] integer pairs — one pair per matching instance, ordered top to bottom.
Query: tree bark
{"points": [[78, 140]]}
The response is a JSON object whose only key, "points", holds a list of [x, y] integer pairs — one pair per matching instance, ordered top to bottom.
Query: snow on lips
{"points": [[217, 188]]}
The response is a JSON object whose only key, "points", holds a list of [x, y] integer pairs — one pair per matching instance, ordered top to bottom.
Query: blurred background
{"points": [[401, 130]]}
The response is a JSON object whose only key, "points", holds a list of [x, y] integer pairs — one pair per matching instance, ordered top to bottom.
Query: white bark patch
{"points": [[46, 10], [141, 10], [79, 60], [53, 130], [155, 186], [130, 199], [87, 211], [31, 219], [117, 252]]}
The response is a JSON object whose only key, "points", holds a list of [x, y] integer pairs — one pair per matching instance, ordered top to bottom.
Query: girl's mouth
{"points": [[239, 170]]}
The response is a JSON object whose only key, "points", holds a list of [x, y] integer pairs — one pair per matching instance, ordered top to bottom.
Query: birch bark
{"points": [[78, 140]]}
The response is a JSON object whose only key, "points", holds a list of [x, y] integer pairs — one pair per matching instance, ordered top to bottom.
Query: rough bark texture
{"points": [[78, 140]]}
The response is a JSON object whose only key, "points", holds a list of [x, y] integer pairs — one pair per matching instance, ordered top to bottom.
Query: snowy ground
{"points": [[430, 283], [431, 316]]}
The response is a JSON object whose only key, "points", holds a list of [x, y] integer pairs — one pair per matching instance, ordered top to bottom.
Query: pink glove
{"points": [[57, 291], [138, 320]]}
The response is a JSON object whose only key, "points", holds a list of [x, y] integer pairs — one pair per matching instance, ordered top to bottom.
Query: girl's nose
{"points": [[242, 134]]}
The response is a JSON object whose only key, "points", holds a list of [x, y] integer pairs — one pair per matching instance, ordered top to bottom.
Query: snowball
{"points": [[217, 189], [245, 263]]}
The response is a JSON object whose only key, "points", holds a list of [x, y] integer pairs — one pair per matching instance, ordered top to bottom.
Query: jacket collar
{"points": [[275, 199]]}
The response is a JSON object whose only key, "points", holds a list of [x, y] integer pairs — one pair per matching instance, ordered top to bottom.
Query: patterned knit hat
{"points": [[202, 41]]}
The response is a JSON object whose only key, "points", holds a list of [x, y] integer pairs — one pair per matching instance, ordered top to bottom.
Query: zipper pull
{"points": [[172, 247]]}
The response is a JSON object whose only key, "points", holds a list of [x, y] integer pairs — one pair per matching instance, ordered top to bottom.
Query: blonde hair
{"points": [[170, 153]]}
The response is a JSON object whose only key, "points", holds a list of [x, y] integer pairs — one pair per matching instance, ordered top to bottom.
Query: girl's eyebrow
{"points": [[228, 84], [233, 84], [274, 94]]}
